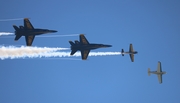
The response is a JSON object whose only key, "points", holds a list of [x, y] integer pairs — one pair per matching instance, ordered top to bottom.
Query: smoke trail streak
{"points": [[11, 19], [5, 33], [44, 36], [21, 52], [51, 54], [67, 54], [59, 59]]}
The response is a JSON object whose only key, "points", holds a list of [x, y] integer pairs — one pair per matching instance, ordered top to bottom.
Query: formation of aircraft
{"points": [[29, 32], [84, 46], [131, 52], [159, 72]]}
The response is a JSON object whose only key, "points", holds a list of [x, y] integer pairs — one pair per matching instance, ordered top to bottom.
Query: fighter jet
{"points": [[29, 32], [84, 46], [131, 52], [159, 72]]}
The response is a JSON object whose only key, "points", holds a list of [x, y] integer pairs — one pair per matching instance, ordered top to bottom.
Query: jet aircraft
{"points": [[29, 32], [84, 46], [131, 52], [159, 72]]}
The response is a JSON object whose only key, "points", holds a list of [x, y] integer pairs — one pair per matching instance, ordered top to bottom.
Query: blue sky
{"points": [[153, 27]]}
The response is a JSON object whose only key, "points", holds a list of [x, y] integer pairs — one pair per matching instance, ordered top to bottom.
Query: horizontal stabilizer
{"points": [[15, 27], [17, 37], [71, 43], [73, 52]]}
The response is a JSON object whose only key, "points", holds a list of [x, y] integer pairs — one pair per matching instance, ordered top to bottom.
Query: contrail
{"points": [[11, 19], [5, 33], [44, 36], [22, 52]]}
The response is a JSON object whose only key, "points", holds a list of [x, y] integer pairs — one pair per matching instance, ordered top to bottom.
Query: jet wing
{"points": [[27, 24], [83, 39], [29, 40], [131, 48], [84, 54], [132, 57], [159, 67], [160, 78]]}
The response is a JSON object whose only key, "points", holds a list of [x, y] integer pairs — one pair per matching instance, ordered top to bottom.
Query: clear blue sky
{"points": [[153, 27]]}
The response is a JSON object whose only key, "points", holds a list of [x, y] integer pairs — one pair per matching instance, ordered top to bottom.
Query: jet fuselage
{"points": [[26, 32], [88, 46]]}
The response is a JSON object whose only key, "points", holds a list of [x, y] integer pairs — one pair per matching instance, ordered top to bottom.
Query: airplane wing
{"points": [[27, 24], [83, 39], [29, 40], [131, 48], [84, 54], [132, 57], [159, 67], [160, 78]]}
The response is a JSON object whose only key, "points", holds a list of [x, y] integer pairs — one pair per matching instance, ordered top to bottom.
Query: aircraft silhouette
{"points": [[29, 32], [84, 46], [131, 52], [159, 72]]}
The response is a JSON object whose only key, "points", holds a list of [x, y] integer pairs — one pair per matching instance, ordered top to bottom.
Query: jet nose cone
{"points": [[53, 31], [107, 45]]}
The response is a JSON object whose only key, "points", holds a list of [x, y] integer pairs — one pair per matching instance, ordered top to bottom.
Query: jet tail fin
{"points": [[15, 27], [17, 37], [71, 43], [122, 52], [149, 72]]}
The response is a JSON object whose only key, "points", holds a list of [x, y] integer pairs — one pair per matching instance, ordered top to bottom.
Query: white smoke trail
{"points": [[11, 19], [5, 33], [22, 52], [38, 54], [67, 54]]}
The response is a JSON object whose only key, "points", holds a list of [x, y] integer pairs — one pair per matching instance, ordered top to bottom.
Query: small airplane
{"points": [[29, 32], [84, 46], [131, 52], [159, 72]]}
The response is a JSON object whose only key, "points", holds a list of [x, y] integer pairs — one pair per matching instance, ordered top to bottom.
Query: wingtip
{"points": [[82, 34]]}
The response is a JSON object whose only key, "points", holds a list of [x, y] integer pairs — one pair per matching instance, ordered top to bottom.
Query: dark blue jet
{"points": [[29, 32], [84, 46], [131, 52]]}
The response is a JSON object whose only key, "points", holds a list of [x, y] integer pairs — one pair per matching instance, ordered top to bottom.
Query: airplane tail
{"points": [[15, 27], [17, 35], [71, 43], [122, 52], [149, 72]]}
